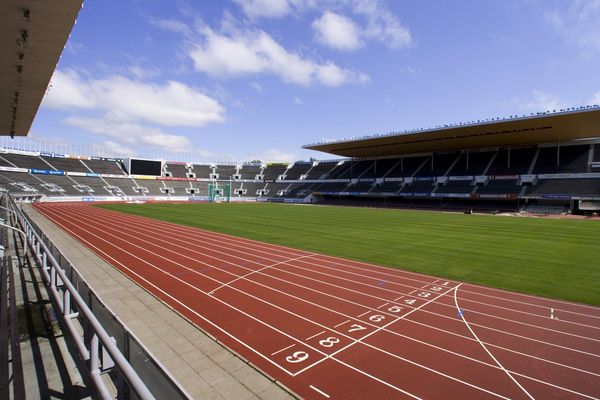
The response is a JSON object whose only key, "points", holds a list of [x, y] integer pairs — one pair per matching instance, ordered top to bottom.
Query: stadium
{"points": [[458, 261]]}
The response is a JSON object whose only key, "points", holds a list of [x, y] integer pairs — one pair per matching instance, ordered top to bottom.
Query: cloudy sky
{"points": [[220, 80]]}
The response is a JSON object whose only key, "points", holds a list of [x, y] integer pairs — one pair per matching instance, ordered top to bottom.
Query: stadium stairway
{"points": [[36, 359]]}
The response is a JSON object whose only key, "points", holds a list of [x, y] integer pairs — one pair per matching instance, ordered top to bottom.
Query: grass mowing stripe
{"points": [[553, 258]]}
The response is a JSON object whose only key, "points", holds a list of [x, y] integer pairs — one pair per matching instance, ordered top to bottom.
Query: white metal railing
{"points": [[66, 296]]}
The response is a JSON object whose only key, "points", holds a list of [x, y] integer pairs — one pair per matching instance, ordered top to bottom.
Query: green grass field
{"points": [[553, 258]]}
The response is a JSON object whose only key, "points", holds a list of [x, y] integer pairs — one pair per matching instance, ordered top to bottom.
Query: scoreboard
{"points": [[138, 166]]}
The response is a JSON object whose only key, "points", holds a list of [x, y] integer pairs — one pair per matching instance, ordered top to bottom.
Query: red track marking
{"points": [[271, 303]]}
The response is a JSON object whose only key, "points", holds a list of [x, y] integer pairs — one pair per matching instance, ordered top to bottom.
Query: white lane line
{"points": [[201, 235], [103, 239], [318, 257], [255, 271], [400, 274], [380, 298], [398, 298], [383, 305], [366, 312], [461, 314], [204, 318], [342, 323], [216, 326], [315, 335], [469, 338], [360, 340], [487, 343], [284, 349], [314, 364], [377, 379], [319, 391]]}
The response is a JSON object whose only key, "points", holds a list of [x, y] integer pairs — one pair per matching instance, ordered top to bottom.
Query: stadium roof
{"points": [[33, 34], [566, 125]]}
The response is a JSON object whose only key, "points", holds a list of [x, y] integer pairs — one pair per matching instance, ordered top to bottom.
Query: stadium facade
{"points": [[547, 163]]}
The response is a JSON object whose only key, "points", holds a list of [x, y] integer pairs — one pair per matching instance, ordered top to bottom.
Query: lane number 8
{"points": [[329, 342]]}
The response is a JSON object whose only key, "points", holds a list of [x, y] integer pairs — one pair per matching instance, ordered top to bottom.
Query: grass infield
{"points": [[556, 258]]}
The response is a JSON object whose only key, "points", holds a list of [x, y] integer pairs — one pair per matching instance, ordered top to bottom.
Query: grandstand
{"points": [[518, 167], [557, 174], [519, 176]]}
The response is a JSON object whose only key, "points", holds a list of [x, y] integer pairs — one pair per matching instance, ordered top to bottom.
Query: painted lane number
{"points": [[424, 294], [395, 309], [377, 318], [356, 327], [329, 342], [297, 357]]}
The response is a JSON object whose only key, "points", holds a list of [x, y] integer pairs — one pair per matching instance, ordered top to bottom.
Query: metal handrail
{"points": [[55, 276]]}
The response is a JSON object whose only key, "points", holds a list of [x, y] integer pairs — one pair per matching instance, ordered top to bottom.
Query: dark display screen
{"points": [[145, 167]]}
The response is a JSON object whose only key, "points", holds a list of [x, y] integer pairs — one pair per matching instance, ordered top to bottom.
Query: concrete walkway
{"points": [[204, 368]]}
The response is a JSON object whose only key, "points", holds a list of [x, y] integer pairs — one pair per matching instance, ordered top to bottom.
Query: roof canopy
{"points": [[33, 34], [547, 127]]}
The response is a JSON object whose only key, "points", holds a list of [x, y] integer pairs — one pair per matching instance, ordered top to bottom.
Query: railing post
{"points": [[66, 304], [94, 366]]}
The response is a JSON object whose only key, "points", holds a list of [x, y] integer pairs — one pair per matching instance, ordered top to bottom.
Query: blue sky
{"points": [[234, 80]]}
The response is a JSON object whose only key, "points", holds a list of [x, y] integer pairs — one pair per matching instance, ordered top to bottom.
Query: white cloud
{"points": [[264, 8], [272, 8], [377, 21], [578, 23], [382, 24], [172, 25], [337, 31], [253, 52], [143, 73], [257, 86], [67, 90], [596, 99], [298, 101], [540, 101], [172, 104], [127, 111], [132, 133], [112, 149], [276, 155]]}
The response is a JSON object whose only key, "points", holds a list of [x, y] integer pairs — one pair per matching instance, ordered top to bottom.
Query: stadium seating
{"points": [[567, 159], [25, 161], [519, 162], [471, 163], [65, 164], [437, 165], [104, 167], [406, 167], [380, 168], [321, 169], [176, 170], [297, 170], [202, 171], [250, 171], [273, 171], [226, 172], [437, 180], [456, 187], [509, 187], [578, 187]]}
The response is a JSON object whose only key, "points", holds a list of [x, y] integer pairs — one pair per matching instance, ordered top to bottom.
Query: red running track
{"points": [[327, 327]]}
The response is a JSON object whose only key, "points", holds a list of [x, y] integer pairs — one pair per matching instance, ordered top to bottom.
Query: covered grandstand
{"points": [[549, 160]]}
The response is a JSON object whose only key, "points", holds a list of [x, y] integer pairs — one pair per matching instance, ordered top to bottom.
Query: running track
{"points": [[327, 327]]}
